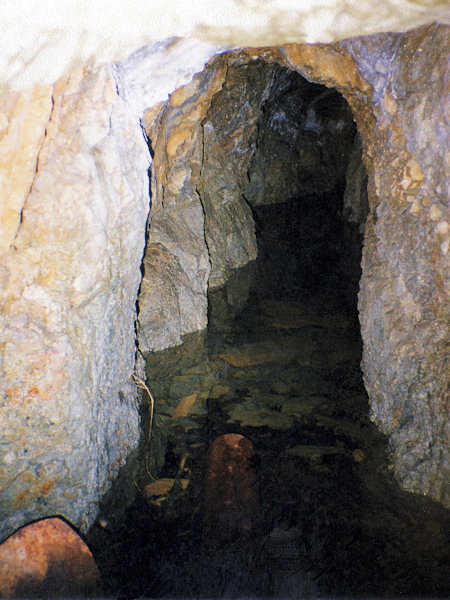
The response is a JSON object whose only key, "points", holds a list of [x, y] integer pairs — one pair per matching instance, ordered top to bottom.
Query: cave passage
{"points": [[279, 364]]}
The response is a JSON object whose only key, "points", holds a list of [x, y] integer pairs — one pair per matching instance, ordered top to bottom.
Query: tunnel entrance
{"points": [[281, 178]]}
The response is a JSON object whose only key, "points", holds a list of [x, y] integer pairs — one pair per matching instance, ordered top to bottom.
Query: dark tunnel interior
{"points": [[302, 502]]}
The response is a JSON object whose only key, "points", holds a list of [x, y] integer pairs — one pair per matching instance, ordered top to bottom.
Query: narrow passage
{"points": [[283, 371]]}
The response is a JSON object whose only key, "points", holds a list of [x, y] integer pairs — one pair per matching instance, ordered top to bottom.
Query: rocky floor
{"points": [[284, 372]]}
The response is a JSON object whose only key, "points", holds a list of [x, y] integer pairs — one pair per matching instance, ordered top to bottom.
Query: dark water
{"points": [[280, 365]]}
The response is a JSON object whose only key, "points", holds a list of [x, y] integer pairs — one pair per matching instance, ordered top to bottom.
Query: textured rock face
{"points": [[40, 40], [386, 80], [397, 96], [229, 133], [302, 142], [206, 176], [74, 178], [75, 200], [355, 202], [176, 227], [73, 235], [72, 242], [404, 294]]}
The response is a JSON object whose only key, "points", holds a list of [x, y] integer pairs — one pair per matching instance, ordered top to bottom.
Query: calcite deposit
{"points": [[43, 39], [74, 176]]}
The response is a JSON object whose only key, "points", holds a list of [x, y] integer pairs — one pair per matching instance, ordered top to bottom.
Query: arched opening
{"points": [[274, 196]]}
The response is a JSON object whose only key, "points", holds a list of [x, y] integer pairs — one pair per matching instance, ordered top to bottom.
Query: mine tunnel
{"points": [[283, 195]]}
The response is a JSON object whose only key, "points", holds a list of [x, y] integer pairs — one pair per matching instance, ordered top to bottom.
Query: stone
{"points": [[23, 119], [301, 142], [228, 148], [393, 151], [356, 204], [177, 224], [229, 225], [72, 249], [70, 271], [165, 300], [403, 303], [292, 315], [269, 351], [280, 387], [218, 390], [184, 407], [303, 407], [257, 412], [353, 431], [315, 452], [359, 455], [161, 487], [47, 559], [285, 563]]}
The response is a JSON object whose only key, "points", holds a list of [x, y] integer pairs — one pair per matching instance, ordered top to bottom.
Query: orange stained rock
{"points": [[331, 67], [230, 502], [47, 559]]}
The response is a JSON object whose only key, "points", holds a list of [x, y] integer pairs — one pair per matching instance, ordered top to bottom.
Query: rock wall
{"points": [[386, 81], [396, 89], [229, 136], [302, 142], [206, 178], [75, 200], [74, 208], [72, 243], [177, 246], [404, 304]]}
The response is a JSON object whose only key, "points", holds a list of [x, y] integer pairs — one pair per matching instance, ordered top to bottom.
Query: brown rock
{"points": [[260, 353], [184, 406], [161, 487], [47, 559]]}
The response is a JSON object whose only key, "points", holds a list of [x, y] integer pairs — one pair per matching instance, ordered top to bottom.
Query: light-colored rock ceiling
{"points": [[43, 39]]}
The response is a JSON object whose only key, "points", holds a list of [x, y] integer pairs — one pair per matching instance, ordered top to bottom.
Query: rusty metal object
{"points": [[230, 502], [47, 559]]}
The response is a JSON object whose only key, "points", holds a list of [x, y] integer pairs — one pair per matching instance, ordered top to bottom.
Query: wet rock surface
{"points": [[304, 143], [283, 372]]}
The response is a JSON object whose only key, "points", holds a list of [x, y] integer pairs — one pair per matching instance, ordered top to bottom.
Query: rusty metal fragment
{"points": [[230, 503], [47, 559]]}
